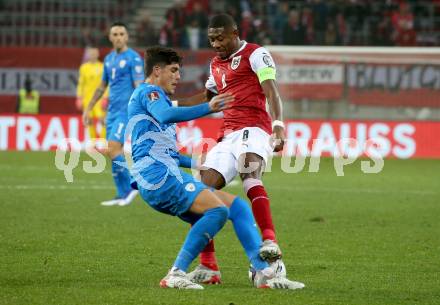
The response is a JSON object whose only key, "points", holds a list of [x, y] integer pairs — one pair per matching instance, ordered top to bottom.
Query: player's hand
{"points": [[220, 102], [78, 103], [86, 118], [278, 137]]}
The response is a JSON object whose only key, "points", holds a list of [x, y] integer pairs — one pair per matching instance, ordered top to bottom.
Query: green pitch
{"points": [[361, 239]]}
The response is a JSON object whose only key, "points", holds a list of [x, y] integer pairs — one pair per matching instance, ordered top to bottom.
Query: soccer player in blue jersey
{"points": [[123, 72], [169, 190]]}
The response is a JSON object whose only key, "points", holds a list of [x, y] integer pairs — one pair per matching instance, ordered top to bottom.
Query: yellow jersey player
{"points": [[90, 75]]}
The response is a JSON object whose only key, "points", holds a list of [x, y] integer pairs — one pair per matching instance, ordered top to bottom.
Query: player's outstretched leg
{"points": [[203, 229], [208, 271]]}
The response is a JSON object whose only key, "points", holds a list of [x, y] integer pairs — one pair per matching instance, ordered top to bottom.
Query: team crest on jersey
{"points": [[235, 62], [122, 63], [138, 69], [153, 96], [190, 187]]}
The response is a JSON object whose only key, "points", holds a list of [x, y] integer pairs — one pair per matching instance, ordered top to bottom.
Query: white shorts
{"points": [[223, 157]]}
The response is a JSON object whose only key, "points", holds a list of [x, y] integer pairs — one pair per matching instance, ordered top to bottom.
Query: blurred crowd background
{"points": [[180, 23]]}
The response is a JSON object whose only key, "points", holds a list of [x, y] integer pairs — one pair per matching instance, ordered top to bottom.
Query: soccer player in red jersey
{"points": [[249, 133]]}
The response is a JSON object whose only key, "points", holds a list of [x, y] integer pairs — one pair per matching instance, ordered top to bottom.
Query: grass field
{"points": [[359, 239]]}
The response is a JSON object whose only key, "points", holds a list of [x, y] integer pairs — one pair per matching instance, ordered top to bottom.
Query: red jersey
{"points": [[237, 75]]}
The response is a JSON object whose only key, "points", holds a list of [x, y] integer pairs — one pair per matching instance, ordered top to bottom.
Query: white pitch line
{"points": [[39, 168], [99, 186]]}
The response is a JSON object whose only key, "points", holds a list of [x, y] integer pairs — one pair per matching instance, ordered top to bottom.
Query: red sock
{"points": [[261, 209], [207, 256]]}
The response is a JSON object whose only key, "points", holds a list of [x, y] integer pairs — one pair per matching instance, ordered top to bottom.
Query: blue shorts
{"points": [[115, 127], [173, 197]]}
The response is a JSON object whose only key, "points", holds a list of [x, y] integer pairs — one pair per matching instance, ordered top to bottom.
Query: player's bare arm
{"points": [[96, 96], [276, 110]]}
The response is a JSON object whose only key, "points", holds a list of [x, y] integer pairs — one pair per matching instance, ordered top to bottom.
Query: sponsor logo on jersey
{"points": [[268, 61], [235, 62], [122, 63], [153, 96], [190, 187]]}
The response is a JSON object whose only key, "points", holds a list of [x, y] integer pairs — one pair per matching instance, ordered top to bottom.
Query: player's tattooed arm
{"points": [[99, 92], [199, 98], [276, 110]]}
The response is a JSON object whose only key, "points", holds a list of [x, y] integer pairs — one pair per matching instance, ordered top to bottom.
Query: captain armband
{"points": [[266, 73]]}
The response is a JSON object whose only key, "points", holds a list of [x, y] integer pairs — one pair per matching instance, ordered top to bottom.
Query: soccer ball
{"points": [[277, 266]]}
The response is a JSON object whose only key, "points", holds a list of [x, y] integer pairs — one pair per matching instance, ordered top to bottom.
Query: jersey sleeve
{"points": [[262, 64], [137, 69], [105, 76], [210, 83], [158, 106], [186, 162]]}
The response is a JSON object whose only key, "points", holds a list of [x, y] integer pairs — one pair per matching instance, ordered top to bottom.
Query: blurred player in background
{"points": [[123, 72], [90, 76], [28, 98], [248, 135], [169, 190]]}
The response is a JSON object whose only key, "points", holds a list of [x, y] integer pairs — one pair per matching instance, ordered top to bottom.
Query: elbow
{"points": [[163, 119]]}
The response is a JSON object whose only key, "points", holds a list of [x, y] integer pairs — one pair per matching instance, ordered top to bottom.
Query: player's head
{"points": [[223, 35], [118, 36], [92, 54], [162, 67]]}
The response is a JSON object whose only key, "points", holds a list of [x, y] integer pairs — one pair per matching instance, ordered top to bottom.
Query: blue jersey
{"points": [[121, 70], [153, 132]]}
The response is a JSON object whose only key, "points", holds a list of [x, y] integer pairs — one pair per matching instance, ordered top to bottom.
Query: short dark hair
{"points": [[222, 20], [119, 23], [162, 56]]}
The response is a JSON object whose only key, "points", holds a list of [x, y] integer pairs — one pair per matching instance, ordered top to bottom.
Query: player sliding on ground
{"points": [[169, 190]]}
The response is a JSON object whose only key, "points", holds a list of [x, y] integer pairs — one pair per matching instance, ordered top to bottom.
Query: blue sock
{"points": [[121, 176], [246, 231], [201, 232]]}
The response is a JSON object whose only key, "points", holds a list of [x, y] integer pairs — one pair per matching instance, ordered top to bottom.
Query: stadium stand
{"points": [[314, 22], [59, 23]]}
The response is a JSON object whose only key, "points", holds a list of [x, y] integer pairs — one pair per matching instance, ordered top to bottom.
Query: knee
{"points": [[212, 179], [250, 182], [223, 214]]}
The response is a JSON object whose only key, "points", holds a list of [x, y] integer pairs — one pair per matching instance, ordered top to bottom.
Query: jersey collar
{"points": [[244, 43]]}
